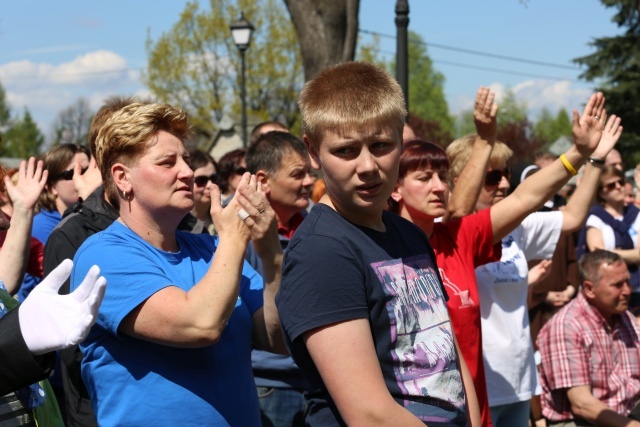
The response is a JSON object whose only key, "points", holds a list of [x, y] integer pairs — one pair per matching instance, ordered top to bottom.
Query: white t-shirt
{"points": [[607, 232], [510, 368]]}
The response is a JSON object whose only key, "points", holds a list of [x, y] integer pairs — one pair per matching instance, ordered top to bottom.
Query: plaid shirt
{"points": [[578, 347]]}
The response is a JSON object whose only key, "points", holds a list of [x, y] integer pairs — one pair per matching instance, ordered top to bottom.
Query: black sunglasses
{"points": [[239, 170], [68, 174], [493, 177], [202, 180], [612, 185]]}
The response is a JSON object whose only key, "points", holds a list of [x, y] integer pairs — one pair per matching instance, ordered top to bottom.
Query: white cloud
{"points": [[47, 88], [537, 94]]}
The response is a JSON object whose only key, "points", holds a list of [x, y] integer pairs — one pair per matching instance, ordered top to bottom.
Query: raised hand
{"points": [[485, 112], [587, 128], [610, 135], [31, 181], [86, 183], [229, 221], [261, 221]]}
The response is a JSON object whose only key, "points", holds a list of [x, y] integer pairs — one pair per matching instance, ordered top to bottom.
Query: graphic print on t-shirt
{"points": [[453, 289], [424, 350]]}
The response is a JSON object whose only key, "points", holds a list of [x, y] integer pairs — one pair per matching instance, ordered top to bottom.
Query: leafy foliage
{"points": [[615, 64], [197, 65], [549, 128], [22, 138]]}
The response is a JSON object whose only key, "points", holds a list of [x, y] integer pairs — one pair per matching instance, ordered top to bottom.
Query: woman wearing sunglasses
{"points": [[204, 171], [60, 192], [613, 226], [461, 245]]}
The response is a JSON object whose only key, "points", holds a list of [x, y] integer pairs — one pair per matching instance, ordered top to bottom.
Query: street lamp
{"points": [[241, 31], [402, 56]]}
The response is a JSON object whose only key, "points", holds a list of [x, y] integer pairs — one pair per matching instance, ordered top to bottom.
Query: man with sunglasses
{"points": [[204, 171]]}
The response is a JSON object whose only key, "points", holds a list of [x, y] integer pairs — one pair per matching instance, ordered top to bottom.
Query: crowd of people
{"points": [[358, 275]]}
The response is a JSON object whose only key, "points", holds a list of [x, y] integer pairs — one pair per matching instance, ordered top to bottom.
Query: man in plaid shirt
{"points": [[591, 351]]}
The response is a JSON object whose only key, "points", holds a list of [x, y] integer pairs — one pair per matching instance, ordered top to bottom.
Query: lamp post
{"points": [[241, 31], [402, 55]]}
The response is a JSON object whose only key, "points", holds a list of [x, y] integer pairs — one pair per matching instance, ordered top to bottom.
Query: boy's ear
{"points": [[313, 153], [263, 177], [396, 194]]}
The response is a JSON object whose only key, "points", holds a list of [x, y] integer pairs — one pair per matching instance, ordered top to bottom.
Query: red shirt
{"points": [[294, 223], [460, 247], [35, 264], [578, 347]]}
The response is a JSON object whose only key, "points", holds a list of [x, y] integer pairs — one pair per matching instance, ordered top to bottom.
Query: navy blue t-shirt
{"points": [[336, 271]]}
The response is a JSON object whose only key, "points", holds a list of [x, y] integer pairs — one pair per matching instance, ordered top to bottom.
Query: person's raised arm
{"points": [[86, 183], [538, 188], [24, 195], [463, 197], [575, 212], [262, 222], [198, 317], [346, 359], [586, 406]]}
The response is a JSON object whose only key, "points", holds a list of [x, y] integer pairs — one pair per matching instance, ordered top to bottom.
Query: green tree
{"points": [[615, 64], [196, 65], [426, 87], [5, 109], [512, 110], [464, 123], [549, 128], [22, 138]]}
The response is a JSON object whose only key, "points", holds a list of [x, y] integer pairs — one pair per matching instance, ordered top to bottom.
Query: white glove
{"points": [[49, 321]]}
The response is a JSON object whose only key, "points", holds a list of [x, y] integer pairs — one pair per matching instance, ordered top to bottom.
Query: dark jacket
{"points": [[20, 368]]}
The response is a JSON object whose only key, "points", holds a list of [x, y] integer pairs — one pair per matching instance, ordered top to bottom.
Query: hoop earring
{"points": [[124, 195]]}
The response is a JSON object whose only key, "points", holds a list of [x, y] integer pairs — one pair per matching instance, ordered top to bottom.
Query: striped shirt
{"points": [[578, 347]]}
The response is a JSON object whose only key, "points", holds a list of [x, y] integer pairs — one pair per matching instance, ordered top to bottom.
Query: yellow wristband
{"points": [[568, 166]]}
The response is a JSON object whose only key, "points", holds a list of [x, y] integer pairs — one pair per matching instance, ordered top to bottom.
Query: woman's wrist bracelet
{"points": [[596, 162], [567, 165]]}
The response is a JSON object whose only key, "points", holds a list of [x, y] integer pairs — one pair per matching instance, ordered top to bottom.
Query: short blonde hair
{"points": [[348, 96], [130, 131], [459, 152]]}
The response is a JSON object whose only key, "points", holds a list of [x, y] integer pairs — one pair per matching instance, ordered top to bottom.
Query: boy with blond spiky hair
{"points": [[361, 302]]}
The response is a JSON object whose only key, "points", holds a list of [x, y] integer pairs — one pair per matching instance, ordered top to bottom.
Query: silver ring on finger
{"points": [[242, 214]]}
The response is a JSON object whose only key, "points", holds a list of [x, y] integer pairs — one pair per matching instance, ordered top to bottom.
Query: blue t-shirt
{"points": [[44, 223], [336, 271], [135, 382]]}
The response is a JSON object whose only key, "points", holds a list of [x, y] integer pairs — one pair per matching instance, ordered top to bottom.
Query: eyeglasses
{"points": [[239, 170], [68, 174], [493, 177], [202, 180], [612, 185]]}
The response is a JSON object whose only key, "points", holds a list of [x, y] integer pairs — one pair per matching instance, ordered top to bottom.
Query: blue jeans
{"points": [[280, 407], [510, 415]]}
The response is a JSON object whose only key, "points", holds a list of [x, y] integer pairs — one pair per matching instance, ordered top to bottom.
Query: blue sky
{"points": [[51, 53]]}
